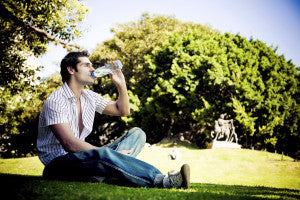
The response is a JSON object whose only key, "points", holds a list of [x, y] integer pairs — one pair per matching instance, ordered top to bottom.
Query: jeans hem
{"points": [[124, 172]]}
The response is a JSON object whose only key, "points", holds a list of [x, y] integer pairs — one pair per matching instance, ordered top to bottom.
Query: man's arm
{"points": [[121, 107], [70, 143]]}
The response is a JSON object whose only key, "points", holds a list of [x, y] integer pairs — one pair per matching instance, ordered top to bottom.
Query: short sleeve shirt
{"points": [[60, 107]]}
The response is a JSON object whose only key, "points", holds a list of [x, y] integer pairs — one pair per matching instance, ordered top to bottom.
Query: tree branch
{"points": [[6, 14], [51, 37]]}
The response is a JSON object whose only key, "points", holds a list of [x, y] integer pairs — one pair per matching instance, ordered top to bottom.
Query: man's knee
{"points": [[139, 133]]}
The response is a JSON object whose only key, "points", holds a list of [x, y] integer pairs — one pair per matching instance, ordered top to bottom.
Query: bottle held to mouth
{"points": [[104, 70]]}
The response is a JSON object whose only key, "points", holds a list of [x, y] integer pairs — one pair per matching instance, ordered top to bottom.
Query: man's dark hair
{"points": [[70, 60]]}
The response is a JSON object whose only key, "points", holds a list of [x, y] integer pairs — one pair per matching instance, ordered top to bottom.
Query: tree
{"points": [[26, 28], [131, 43], [182, 76], [198, 76], [19, 124]]}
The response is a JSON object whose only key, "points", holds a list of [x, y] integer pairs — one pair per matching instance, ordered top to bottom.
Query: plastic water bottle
{"points": [[104, 70]]}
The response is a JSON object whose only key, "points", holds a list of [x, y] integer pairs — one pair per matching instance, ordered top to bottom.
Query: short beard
{"points": [[85, 82]]}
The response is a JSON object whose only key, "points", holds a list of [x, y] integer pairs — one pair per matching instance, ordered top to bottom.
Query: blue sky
{"points": [[275, 22]]}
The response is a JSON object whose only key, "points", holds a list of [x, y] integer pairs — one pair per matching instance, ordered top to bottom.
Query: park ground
{"points": [[215, 174]]}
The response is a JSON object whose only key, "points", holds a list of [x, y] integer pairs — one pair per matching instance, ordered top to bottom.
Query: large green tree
{"points": [[132, 41], [182, 76], [198, 76]]}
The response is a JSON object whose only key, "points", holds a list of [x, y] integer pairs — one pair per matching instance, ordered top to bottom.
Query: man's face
{"points": [[84, 70]]}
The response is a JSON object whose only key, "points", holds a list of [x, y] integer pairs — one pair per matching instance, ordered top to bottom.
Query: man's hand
{"points": [[117, 77], [121, 107], [126, 152]]}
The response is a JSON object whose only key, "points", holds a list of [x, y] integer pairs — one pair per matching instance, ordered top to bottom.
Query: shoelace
{"points": [[175, 179]]}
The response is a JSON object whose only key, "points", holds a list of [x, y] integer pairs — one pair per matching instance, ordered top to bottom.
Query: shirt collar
{"points": [[69, 93]]}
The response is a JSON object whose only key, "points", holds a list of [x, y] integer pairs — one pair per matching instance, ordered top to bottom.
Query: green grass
{"points": [[231, 167], [215, 174]]}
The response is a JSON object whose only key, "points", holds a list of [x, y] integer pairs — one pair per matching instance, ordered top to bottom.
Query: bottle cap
{"points": [[93, 75]]}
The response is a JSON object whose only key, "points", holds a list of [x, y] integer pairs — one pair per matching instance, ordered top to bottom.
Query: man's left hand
{"points": [[117, 77]]}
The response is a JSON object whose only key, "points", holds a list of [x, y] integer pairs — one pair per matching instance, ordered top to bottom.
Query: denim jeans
{"points": [[108, 162]]}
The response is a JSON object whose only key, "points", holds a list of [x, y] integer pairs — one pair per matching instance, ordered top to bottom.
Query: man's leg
{"points": [[134, 139], [105, 161], [102, 162], [66, 167]]}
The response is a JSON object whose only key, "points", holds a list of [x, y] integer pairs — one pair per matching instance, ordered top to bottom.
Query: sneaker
{"points": [[180, 179]]}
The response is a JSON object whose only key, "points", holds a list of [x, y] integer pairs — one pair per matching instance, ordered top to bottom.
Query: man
{"points": [[67, 119]]}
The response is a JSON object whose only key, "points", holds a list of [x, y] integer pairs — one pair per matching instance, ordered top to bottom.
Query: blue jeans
{"points": [[107, 161]]}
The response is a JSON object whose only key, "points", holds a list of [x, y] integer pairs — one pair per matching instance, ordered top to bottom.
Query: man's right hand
{"points": [[126, 152]]}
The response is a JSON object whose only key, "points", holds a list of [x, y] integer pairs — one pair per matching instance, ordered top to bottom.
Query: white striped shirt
{"points": [[60, 107]]}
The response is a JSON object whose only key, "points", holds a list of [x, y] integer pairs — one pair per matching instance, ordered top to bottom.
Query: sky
{"points": [[275, 22]]}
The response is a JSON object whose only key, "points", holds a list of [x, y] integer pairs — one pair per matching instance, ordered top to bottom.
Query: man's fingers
{"points": [[126, 152]]}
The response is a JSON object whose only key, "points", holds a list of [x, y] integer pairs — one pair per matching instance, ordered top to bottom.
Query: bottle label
{"points": [[104, 70]]}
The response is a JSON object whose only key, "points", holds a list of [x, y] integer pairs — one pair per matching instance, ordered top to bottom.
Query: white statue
{"points": [[224, 130]]}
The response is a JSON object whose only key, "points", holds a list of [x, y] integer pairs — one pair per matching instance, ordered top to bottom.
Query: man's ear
{"points": [[71, 70]]}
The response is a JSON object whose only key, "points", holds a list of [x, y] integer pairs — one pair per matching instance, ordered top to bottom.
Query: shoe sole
{"points": [[185, 173]]}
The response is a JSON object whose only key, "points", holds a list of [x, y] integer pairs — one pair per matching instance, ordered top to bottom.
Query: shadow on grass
{"points": [[34, 187]]}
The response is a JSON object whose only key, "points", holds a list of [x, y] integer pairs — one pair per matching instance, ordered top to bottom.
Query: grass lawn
{"points": [[215, 174]]}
